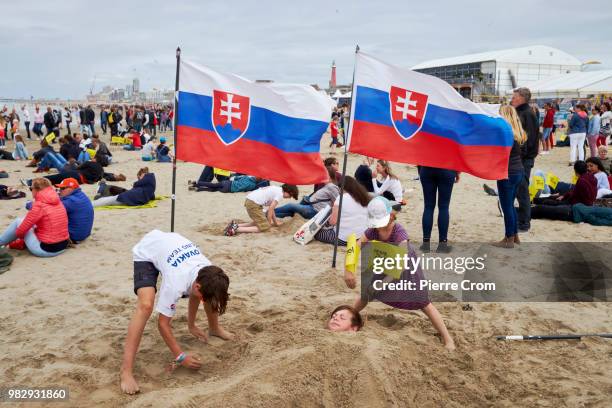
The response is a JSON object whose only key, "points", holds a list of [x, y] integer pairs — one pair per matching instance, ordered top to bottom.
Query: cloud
{"points": [[55, 49]]}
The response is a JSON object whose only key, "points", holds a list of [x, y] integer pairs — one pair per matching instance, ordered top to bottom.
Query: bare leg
{"points": [[246, 224], [250, 228], [146, 299], [436, 319], [214, 328]]}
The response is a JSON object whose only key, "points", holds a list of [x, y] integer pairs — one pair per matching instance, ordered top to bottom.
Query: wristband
{"points": [[181, 357]]}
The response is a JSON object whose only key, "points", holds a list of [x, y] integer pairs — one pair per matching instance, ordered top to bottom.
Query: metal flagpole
{"points": [[176, 104], [346, 140]]}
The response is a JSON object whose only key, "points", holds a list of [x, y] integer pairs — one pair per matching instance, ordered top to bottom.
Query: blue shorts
{"points": [[546, 133]]}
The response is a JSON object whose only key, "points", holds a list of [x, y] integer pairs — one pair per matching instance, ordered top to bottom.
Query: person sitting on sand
{"points": [[148, 150], [162, 151], [21, 152], [333, 164], [596, 168], [141, 193], [260, 205], [311, 205], [79, 209], [354, 217], [383, 227], [44, 230], [186, 273], [345, 318]]}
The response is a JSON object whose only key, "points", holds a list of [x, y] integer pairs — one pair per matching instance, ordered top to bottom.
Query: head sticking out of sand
{"points": [[345, 318]]}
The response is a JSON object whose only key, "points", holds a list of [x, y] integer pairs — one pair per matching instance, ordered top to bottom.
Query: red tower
{"points": [[332, 81]]}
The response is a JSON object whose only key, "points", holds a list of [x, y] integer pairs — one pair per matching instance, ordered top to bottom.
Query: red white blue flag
{"points": [[408, 117], [269, 130]]}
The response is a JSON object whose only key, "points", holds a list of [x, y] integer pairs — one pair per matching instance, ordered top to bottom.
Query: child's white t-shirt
{"points": [[148, 149], [264, 196], [354, 218], [177, 259]]}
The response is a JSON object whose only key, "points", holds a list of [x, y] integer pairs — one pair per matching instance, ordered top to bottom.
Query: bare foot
{"points": [[221, 333], [450, 345], [128, 383]]}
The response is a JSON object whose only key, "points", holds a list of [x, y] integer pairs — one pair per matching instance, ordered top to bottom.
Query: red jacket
{"points": [[549, 119], [49, 216]]}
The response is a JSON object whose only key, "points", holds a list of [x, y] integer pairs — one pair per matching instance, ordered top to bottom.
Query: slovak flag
{"points": [[409, 117], [269, 130]]}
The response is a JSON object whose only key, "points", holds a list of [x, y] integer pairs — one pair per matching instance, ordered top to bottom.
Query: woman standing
{"points": [[577, 128], [437, 183], [507, 188]]}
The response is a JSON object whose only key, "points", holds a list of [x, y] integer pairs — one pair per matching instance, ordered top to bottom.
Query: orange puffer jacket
{"points": [[49, 217]]}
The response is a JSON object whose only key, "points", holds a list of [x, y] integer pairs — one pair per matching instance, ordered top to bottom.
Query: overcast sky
{"points": [[55, 48]]}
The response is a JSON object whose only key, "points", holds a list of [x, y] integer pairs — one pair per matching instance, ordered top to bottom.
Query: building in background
{"points": [[487, 76], [135, 86]]}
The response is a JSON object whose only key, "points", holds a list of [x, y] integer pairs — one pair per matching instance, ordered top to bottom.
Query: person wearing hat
{"points": [[163, 152], [79, 209], [383, 227]]}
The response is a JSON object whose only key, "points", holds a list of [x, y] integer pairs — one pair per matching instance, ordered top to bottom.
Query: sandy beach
{"points": [[64, 320]]}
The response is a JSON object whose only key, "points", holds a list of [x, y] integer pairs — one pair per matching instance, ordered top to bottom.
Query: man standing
{"points": [[90, 117], [26, 119], [103, 119], [50, 120], [529, 151]]}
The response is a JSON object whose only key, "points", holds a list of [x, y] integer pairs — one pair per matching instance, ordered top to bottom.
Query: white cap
{"points": [[379, 212]]}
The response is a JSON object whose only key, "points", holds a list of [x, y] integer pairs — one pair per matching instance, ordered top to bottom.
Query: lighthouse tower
{"points": [[332, 80]]}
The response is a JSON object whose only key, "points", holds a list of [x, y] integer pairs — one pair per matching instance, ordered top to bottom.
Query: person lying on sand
{"points": [[384, 228], [185, 273], [344, 318]]}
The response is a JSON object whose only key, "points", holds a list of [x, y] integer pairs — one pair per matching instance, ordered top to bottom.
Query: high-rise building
{"points": [[136, 86]]}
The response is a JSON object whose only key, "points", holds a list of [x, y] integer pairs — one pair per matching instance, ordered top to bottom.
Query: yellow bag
{"points": [[50, 137], [117, 140], [92, 153], [221, 172], [552, 180], [538, 182], [532, 192], [352, 254]]}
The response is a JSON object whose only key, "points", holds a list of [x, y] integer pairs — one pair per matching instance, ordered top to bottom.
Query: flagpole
{"points": [[176, 104], [348, 132]]}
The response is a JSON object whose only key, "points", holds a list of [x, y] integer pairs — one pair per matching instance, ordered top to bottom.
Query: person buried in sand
{"points": [[384, 228], [186, 273], [345, 318]]}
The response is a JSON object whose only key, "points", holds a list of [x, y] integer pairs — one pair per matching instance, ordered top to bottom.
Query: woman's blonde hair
{"points": [[509, 113], [387, 167], [41, 183]]}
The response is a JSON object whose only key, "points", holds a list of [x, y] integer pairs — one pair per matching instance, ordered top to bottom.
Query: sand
{"points": [[64, 320]]}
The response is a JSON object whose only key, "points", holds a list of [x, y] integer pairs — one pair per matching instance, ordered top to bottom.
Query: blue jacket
{"points": [[577, 124], [594, 125], [243, 183], [141, 193], [80, 215]]}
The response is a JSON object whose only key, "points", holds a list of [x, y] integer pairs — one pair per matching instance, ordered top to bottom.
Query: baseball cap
{"points": [[162, 139], [68, 183], [379, 212]]}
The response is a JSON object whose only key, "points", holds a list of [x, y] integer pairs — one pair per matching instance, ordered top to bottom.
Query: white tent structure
{"points": [[572, 85]]}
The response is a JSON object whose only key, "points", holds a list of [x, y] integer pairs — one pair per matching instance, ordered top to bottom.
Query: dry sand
{"points": [[63, 320]]}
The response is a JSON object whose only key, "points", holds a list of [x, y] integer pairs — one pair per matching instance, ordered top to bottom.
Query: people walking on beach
{"points": [[25, 114], [38, 122], [547, 126], [529, 151], [507, 188], [44, 230], [186, 273]]}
